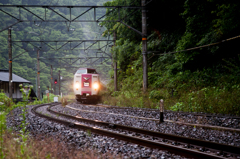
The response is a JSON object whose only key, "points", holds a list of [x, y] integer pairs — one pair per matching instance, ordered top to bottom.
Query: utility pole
{"points": [[144, 46], [10, 61], [115, 64], [38, 76], [51, 80], [59, 85], [54, 89]]}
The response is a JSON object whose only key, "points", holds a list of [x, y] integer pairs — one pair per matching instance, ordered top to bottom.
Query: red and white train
{"points": [[86, 85]]}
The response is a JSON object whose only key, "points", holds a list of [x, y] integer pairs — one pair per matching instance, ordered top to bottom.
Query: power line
{"points": [[123, 19], [194, 48]]}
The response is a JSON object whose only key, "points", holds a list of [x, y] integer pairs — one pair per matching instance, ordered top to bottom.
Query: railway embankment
{"points": [[80, 139]]}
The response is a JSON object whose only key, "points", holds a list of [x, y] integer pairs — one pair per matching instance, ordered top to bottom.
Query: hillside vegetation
{"points": [[25, 65], [200, 80]]}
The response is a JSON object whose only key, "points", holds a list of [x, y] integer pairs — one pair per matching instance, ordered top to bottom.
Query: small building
{"points": [[16, 81]]}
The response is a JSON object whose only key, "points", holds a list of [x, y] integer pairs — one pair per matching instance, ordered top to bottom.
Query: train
{"points": [[86, 85]]}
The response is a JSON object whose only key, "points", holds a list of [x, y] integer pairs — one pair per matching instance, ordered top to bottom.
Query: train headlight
{"points": [[77, 85], [95, 85]]}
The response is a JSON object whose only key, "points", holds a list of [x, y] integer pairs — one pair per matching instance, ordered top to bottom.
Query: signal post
{"points": [[55, 83], [59, 86], [51, 91]]}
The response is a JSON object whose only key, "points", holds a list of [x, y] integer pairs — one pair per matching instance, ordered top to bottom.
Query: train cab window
{"points": [[81, 71], [92, 71]]}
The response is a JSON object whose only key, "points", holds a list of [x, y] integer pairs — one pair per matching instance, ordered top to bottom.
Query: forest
{"points": [[25, 54], [199, 80]]}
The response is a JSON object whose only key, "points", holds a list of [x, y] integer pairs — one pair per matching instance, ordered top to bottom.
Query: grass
{"points": [[209, 99], [218, 100], [124, 101], [19, 145], [36, 148]]}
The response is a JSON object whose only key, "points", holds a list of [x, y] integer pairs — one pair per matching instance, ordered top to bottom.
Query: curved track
{"points": [[183, 113], [153, 119], [182, 146]]}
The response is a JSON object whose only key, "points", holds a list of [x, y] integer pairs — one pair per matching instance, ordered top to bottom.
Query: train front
{"points": [[86, 85]]}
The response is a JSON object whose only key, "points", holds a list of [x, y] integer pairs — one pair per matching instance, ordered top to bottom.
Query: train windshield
{"points": [[81, 71], [92, 71]]}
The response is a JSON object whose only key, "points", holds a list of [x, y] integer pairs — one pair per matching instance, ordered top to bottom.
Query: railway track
{"points": [[168, 111], [176, 117], [157, 120], [183, 146]]}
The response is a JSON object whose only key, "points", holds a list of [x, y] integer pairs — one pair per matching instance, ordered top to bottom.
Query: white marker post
{"points": [[161, 107]]}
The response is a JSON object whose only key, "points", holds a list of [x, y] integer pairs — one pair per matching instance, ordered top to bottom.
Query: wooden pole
{"points": [[144, 46], [10, 61], [115, 65], [38, 76], [51, 91]]}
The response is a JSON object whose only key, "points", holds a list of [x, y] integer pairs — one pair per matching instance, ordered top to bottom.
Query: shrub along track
{"points": [[179, 145]]}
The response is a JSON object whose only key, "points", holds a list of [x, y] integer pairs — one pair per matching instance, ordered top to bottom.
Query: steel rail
{"points": [[182, 113], [171, 121], [178, 122], [197, 142], [152, 144]]}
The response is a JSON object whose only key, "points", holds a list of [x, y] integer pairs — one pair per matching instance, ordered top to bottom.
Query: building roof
{"points": [[4, 76]]}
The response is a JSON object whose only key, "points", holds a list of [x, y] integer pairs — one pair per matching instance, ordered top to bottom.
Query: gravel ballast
{"points": [[86, 140]]}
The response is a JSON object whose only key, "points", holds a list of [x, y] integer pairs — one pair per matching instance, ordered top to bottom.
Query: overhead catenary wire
{"points": [[58, 1], [50, 14], [129, 15], [125, 16], [194, 48]]}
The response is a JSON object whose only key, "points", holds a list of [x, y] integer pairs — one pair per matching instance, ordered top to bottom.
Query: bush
{"points": [[48, 99], [5, 102]]}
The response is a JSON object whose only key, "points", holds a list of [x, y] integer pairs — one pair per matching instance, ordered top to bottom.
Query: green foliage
{"points": [[25, 65], [199, 80], [116, 93], [156, 94], [51, 98], [210, 99], [5, 102], [178, 106], [3, 128], [89, 133], [22, 137]]}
